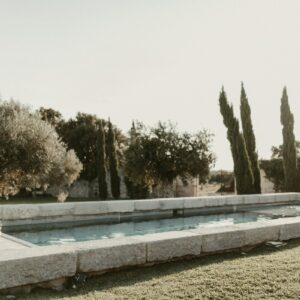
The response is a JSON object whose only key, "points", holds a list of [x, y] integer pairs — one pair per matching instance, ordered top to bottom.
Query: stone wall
{"points": [[266, 185], [80, 189], [84, 189], [177, 189], [121, 209]]}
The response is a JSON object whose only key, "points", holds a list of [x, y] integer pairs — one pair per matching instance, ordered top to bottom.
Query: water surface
{"points": [[99, 232]]}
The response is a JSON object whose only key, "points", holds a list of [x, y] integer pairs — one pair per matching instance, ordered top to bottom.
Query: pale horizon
{"points": [[154, 60]]}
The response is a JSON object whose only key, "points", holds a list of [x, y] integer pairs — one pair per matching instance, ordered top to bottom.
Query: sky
{"points": [[154, 60]]}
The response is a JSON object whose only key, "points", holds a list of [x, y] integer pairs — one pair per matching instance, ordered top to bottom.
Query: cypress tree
{"points": [[132, 133], [250, 139], [289, 145], [113, 162], [242, 167], [101, 169], [129, 184], [135, 190]]}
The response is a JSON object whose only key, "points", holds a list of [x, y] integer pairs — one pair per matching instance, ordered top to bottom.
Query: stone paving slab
{"points": [[279, 211], [46, 212], [6, 244], [172, 244], [35, 265]]}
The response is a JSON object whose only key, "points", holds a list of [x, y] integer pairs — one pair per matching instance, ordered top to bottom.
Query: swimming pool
{"points": [[182, 228], [73, 234]]}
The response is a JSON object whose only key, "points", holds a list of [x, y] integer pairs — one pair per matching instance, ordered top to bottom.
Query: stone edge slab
{"points": [[92, 208], [39, 264], [35, 265]]}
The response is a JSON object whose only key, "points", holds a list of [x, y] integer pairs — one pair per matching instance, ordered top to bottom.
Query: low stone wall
{"points": [[121, 210], [37, 265]]}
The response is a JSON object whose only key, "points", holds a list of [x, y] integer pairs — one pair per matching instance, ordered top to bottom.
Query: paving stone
{"points": [[168, 245], [102, 255], [35, 265]]}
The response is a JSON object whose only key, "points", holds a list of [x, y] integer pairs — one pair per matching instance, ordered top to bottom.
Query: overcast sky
{"points": [[155, 60]]}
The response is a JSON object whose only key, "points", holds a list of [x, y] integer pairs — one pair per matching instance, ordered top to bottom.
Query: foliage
{"points": [[52, 116], [80, 134], [250, 139], [277, 152], [31, 153], [159, 154], [113, 162], [101, 163], [290, 165], [242, 166], [274, 167], [274, 172], [221, 176], [225, 179], [135, 188]]}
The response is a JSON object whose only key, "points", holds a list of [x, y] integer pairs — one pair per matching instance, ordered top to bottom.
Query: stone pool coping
{"points": [[122, 210], [8, 242], [38, 265]]}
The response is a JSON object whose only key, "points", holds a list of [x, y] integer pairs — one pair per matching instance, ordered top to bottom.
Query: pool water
{"points": [[99, 232]]}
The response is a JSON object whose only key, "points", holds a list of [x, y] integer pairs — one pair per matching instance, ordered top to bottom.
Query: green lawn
{"points": [[31, 200], [264, 273]]}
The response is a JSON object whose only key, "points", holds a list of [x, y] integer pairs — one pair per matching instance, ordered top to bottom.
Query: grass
{"points": [[40, 199], [27, 200], [263, 273]]}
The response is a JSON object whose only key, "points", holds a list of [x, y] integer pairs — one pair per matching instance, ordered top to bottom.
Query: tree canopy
{"points": [[51, 116], [80, 133], [31, 153], [160, 154], [274, 167]]}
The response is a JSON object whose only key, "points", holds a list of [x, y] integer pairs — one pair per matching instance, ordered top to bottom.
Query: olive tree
{"points": [[80, 133], [31, 152], [160, 154]]}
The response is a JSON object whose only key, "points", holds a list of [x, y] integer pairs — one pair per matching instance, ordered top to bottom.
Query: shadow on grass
{"points": [[136, 275]]}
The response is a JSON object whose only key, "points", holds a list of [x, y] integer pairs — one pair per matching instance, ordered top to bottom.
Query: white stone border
{"points": [[76, 210], [16, 240], [41, 264]]}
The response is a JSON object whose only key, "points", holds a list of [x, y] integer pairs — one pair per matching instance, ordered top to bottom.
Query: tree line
{"points": [[40, 149], [148, 156], [282, 170]]}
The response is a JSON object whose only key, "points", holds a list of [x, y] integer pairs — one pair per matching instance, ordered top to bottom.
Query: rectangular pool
{"points": [[72, 234]]}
